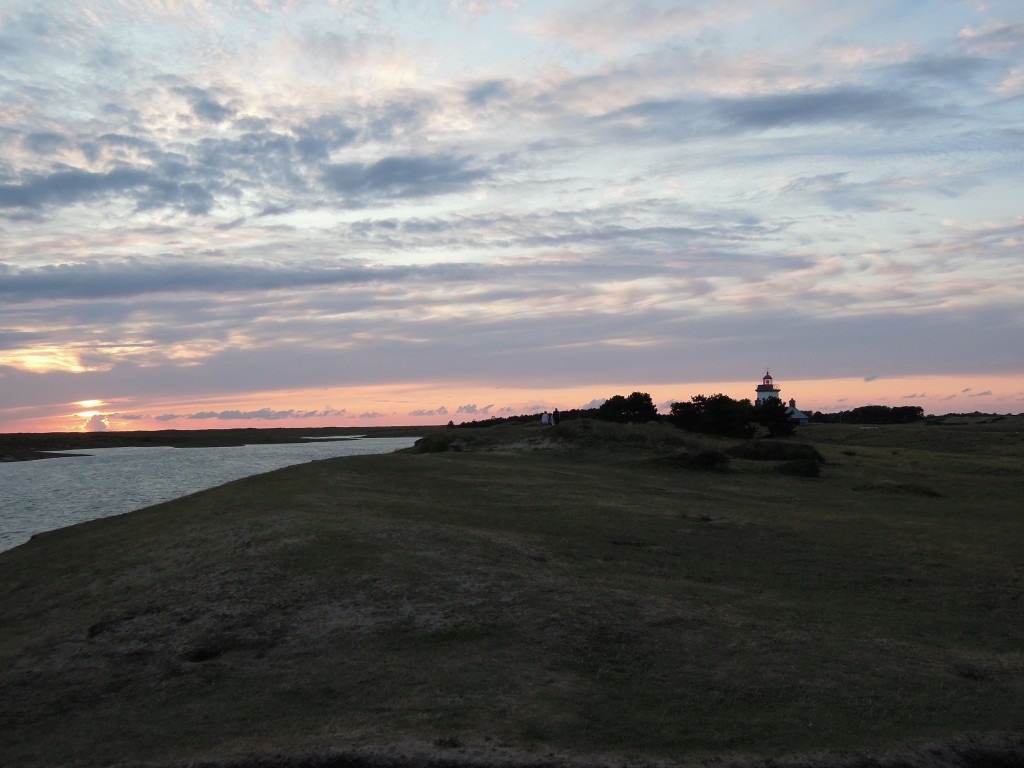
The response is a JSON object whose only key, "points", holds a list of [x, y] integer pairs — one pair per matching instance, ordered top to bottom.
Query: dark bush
{"points": [[637, 408], [873, 414], [715, 415], [773, 415], [438, 442], [775, 450], [704, 460], [709, 460], [800, 468]]}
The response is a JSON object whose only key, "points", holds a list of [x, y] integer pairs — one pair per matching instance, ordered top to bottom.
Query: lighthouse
{"points": [[767, 389]]}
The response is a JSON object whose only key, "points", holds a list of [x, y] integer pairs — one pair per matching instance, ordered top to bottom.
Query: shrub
{"points": [[636, 408], [714, 415], [773, 415], [437, 442], [774, 450], [708, 460], [800, 468]]}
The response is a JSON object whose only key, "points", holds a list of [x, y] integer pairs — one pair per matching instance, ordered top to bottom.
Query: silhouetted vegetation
{"points": [[637, 409], [872, 414], [715, 415], [773, 415], [527, 418], [494, 421], [436, 442], [773, 450], [708, 460], [800, 468]]}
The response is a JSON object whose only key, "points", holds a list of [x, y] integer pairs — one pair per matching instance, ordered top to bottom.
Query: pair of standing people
{"points": [[549, 419]]}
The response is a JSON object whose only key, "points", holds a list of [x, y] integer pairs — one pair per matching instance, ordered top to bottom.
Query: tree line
{"points": [[872, 414], [713, 415], [718, 415]]}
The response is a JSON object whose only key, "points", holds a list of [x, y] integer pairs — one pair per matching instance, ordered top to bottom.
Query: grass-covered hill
{"points": [[589, 594]]}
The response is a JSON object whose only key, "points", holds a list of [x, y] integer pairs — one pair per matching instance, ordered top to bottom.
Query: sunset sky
{"points": [[260, 213]]}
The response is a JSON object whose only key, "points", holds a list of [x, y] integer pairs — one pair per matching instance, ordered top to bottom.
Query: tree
{"points": [[638, 407], [874, 414], [715, 415], [773, 415]]}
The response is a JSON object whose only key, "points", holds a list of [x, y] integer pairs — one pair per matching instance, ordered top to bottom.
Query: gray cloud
{"points": [[24, 34], [999, 38], [941, 68], [481, 94], [846, 104], [203, 105], [679, 120], [44, 143], [403, 177], [70, 186], [152, 188], [136, 277], [473, 409], [439, 411], [263, 414]]}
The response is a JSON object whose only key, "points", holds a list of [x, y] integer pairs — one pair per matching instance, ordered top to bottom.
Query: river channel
{"points": [[37, 496]]}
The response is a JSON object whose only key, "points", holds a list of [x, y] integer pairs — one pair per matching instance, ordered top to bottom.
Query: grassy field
{"points": [[597, 592]]}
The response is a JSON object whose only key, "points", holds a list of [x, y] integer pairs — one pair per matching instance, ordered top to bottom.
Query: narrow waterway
{"points": [[37, 496]]}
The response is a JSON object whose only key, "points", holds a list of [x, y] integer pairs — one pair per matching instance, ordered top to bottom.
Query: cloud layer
{"points": [[206, 204]]}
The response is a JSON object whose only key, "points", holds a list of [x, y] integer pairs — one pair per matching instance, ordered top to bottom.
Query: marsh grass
{"points": [[589, 599]]}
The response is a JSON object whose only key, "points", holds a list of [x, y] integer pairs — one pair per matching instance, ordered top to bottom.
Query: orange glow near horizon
{"points": [[431, 404]]}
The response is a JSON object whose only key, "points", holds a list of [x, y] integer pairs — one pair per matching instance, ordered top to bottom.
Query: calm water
{"points": [[38, 496]]}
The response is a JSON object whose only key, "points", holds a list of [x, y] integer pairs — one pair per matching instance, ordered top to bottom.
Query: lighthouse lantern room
{"points": [[767, 389]]}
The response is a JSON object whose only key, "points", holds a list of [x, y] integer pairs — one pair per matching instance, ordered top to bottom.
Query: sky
{"points": [[363, 212]]}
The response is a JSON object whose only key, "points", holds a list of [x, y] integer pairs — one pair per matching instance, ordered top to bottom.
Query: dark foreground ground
{"points": [[585, 596], [983, 752]]}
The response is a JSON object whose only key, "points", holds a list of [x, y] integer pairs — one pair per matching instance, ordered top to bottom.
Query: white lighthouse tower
{"points": [[767, 389]]}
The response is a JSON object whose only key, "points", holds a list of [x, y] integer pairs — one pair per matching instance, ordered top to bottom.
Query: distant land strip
{"points": [[27, 446]]}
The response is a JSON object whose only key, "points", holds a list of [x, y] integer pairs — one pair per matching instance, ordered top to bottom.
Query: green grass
{"points": [[563, 590]]}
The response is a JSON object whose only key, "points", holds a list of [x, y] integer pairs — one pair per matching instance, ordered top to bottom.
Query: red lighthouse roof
{"points": [[767, 384]]}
